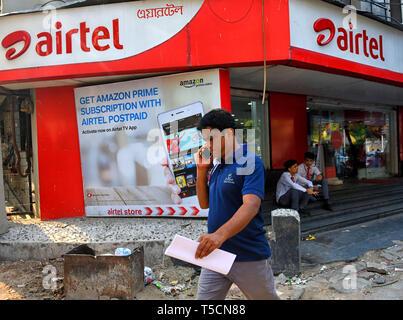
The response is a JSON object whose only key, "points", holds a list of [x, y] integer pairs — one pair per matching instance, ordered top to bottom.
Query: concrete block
{"points": [[285, 242], [88, 277]]}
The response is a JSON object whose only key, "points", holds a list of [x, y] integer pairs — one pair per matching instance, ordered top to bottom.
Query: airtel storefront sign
{"points": [[324, 28], [90, 34]]}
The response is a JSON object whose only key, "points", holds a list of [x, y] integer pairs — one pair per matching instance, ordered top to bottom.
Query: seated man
{"points": [[308, 171], [290, 192]]}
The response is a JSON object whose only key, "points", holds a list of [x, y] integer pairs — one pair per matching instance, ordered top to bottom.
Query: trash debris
{"points": [[310, 237], [82, 249], [123, 252], [376, 267], [323, 268], [398, 269], [148, 275], [281, 278], [379, 280], [294, 281], [299, 281], [174, 283], [157, 284], [384, 284], [168, 290], [174, 291]]}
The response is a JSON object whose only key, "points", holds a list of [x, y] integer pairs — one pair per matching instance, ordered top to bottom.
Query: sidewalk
{"points": [[36, 239], [350, 242]]}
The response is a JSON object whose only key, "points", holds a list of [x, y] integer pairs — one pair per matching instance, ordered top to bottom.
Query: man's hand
{"points": [[202, 163], [203, 167], [315, 188], [311, 192], [208, 243]]}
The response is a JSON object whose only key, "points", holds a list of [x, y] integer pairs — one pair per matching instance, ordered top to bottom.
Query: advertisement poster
{"points": [[134, 161]]}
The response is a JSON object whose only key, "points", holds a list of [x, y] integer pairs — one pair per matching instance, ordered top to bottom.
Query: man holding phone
{"points": [[232, 189]]}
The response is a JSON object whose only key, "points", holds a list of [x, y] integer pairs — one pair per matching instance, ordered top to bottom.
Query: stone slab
{"points": [[285, 242], [153, 250]]}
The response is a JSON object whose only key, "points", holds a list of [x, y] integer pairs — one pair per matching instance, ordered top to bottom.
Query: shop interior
{"points": [[358, 143]]}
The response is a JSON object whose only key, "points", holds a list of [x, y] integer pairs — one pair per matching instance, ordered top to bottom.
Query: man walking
{"points": [[310, 172], [232, 190]]}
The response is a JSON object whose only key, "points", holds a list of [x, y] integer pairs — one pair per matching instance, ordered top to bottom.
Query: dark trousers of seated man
{"points": [[324, 187], [294, 199]]}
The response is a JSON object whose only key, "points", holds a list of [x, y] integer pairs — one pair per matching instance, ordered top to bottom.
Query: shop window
{"points": [[396, 9], [388, 10], [250, 113], [355, 143]]}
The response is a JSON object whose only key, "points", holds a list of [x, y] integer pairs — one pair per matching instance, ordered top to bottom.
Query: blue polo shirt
{"points": [[227, 184]]}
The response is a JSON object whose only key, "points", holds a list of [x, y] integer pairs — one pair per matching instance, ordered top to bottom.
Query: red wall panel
{"points": [[225, 90], [289, 130], [60, 179]]}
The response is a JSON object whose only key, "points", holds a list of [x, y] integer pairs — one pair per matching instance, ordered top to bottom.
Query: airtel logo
{"points": [[101, 38], [12, 39], [349, 40]]}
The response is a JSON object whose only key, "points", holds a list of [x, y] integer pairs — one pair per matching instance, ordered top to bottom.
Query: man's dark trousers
{"points": [[324, 188], [294, 199]]}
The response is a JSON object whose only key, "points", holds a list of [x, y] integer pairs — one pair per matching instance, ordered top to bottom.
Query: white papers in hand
{"points": [[185, 249]]}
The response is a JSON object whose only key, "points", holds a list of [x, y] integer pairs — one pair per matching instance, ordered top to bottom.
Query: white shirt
{"points": [[216, 162], [303, 171], [285, 183]]}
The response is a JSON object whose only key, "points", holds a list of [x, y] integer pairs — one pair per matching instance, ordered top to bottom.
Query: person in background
{"points": [[310, 172], [294, 191]]}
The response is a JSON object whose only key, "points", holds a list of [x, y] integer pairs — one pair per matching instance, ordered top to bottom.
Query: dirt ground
{"points": [[23, 280], [30, 280]]}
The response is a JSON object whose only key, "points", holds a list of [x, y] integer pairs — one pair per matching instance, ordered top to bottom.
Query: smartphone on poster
{"points": [[181, 140]]}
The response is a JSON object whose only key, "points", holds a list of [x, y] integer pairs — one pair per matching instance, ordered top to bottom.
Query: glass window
{"points": [[249, 113], [355, 143]]}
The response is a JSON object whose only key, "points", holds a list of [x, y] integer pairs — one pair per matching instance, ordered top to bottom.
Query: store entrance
{"points": [[250, 113], [354, 143], [16, 147]]}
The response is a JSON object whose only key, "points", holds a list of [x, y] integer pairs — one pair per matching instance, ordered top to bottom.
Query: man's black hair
{"points": [[217, 119], [309, 155], [289, 163]]}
